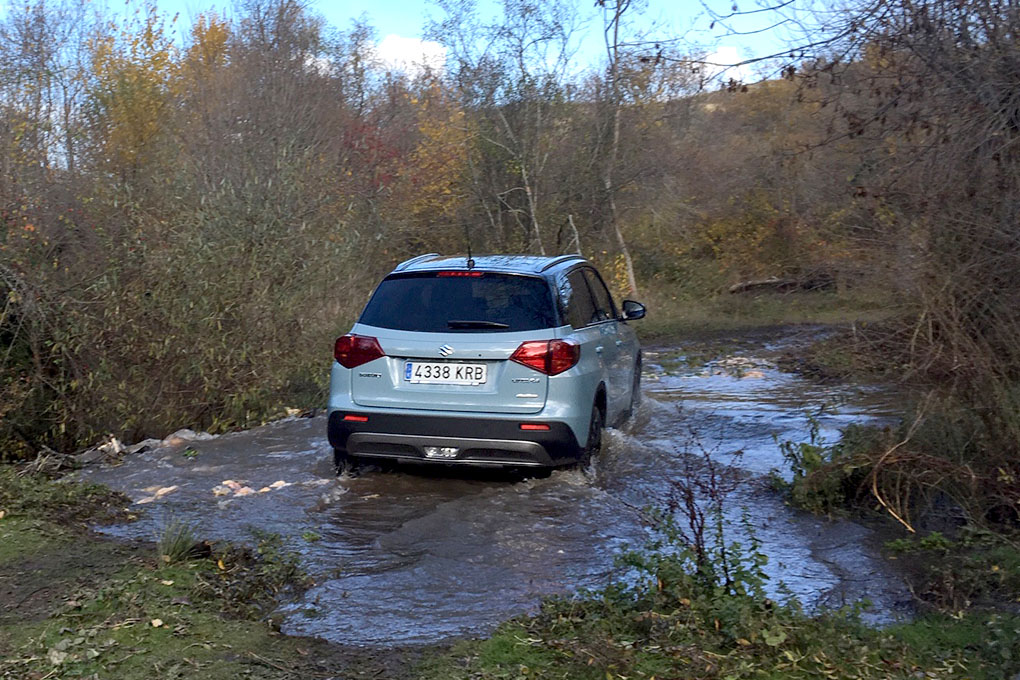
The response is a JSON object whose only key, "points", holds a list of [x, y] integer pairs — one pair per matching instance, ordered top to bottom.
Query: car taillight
{"points": [[354, 350], [551, 357]]}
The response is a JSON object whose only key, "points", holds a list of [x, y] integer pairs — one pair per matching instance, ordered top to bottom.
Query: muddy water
{"points": [[416, 556]]}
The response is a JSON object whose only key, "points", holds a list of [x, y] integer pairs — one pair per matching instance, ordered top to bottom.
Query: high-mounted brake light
{"points": [[474, 275], [354, 350], [551, 357]]}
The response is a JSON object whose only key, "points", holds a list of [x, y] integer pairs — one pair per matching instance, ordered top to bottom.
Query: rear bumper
{"points": [[480, 441]]}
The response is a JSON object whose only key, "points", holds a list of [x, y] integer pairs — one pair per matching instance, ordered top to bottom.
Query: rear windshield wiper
{"points": [[476, 324]]}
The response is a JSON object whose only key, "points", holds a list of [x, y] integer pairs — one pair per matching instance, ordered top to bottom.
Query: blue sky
{"points": [[399, 24]]}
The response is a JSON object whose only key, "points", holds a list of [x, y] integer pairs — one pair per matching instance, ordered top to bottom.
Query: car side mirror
{"points": [[633, 310]]}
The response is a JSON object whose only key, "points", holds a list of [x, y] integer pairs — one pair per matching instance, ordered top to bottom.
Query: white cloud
{"points": [[410, 55], [721, 64]]}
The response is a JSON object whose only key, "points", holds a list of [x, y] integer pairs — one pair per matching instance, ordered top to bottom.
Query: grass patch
{"points": [[671, 316], [29, 495], [24, 537], [176, 542], [976, 568], [80, 605], [671, 626], [994, 638]]}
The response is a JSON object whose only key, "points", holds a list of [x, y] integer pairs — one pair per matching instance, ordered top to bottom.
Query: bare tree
{"points": [[614, 14], [513, 76]]}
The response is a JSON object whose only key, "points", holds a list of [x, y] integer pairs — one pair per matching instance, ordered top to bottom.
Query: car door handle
{"points": [[619, 342], [598, 350]]}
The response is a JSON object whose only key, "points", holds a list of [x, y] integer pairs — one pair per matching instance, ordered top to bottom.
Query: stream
{"points": [[419, 555]]}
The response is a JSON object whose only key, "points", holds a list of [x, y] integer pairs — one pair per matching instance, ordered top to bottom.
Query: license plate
{"points": [[444, 373]]}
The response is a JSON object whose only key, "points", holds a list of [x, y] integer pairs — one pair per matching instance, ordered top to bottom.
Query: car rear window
{"points": [[461, 302]]}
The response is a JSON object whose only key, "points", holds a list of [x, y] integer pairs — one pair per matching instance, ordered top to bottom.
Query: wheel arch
{"points": [[600, 398]]}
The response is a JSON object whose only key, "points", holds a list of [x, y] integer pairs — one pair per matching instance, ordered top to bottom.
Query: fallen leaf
{"points": [[279, 484], [265, 489], [165, 490], [221, 490], [244, 491], [2, 513], [222, 566], [167, 582], [156, 623], [57, 657]]}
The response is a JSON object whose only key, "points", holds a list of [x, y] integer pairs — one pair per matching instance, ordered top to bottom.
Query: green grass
{"points": [[28, 495], [23, 537], [175, 542], [77, 605], [141, 622], [995, 638], [595, 640]]}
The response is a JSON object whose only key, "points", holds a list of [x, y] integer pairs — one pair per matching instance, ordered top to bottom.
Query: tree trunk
{"points": [[613, 50]]}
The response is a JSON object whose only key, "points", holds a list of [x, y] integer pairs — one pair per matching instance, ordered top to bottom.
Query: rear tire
{"points": [[594, 443]]}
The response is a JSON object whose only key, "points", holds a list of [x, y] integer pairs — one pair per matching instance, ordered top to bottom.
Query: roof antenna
{"points": [[467, 237]]}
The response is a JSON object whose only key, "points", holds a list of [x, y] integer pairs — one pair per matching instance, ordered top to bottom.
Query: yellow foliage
{"points": [[208, 50], [135, 72], [440, 158], [616, 277]]}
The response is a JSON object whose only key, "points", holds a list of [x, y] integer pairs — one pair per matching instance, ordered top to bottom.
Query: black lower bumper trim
{"points": [[481, 441]]}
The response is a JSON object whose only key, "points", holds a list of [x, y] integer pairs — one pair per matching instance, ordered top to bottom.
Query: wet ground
{"points": [[418, 556]]}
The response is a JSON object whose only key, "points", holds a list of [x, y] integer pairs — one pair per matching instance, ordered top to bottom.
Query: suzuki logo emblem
{"points": [[446, 350]]}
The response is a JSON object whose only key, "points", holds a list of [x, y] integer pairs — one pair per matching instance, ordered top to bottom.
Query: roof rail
{"points": [[560, 260], [407, 263]]}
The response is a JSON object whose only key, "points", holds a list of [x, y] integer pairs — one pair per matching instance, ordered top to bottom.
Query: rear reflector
{"points": [[356, 419], [535, 426]]}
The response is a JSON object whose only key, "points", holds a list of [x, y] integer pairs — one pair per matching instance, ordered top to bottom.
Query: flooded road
{"points": [[420, 555]]}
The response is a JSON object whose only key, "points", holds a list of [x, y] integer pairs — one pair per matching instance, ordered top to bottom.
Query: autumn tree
{"points": [[134, 74]]}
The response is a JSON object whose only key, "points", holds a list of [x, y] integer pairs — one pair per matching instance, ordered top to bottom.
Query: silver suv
{"points": [[510, 361]]}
